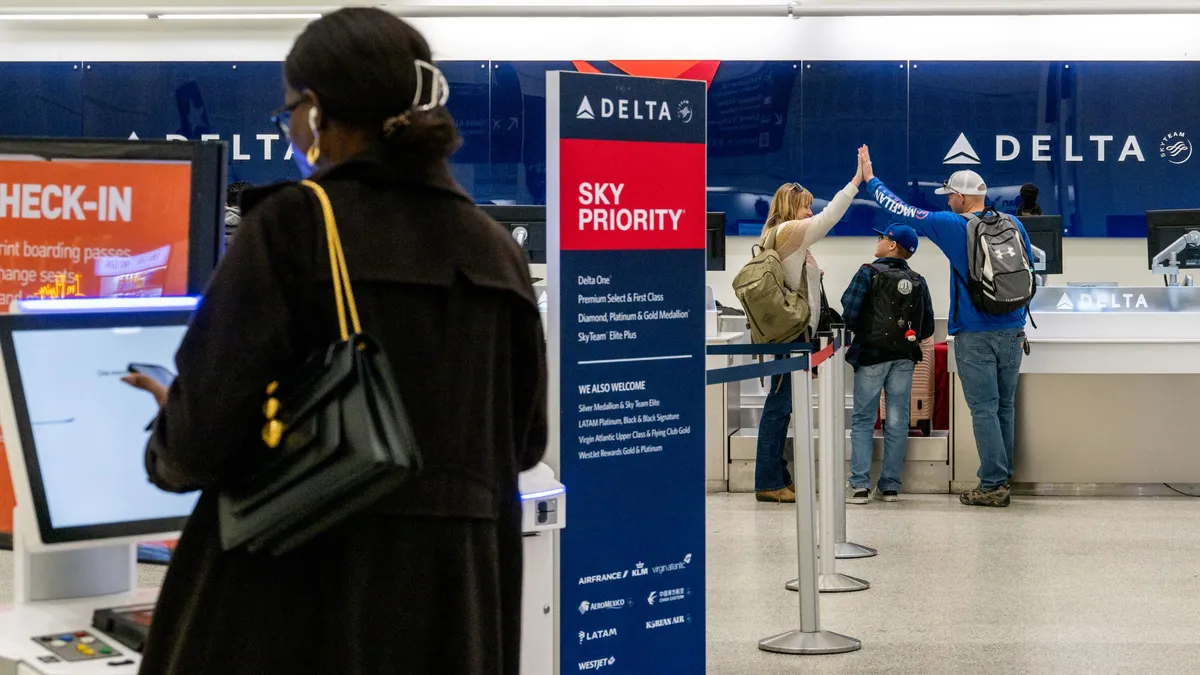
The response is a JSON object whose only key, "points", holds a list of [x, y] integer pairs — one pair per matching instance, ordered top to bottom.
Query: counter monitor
{"points": [[1046, 233], [1167, 239]]}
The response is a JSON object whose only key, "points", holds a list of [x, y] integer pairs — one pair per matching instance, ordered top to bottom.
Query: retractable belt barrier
{"points": [[809, 639]]}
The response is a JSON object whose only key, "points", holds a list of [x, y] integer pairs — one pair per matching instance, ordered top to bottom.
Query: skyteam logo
{"points": [[685, 112], [1175, 147], [962, 152]]}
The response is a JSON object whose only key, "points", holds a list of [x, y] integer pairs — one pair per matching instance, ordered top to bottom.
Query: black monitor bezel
{"points": [[206, 222], [1047, 224], [1153, 227], [714, 241], [10, 323]]}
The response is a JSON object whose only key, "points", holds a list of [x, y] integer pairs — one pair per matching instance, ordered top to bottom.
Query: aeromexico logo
{"points": [[648, 110], [1175, 147]]}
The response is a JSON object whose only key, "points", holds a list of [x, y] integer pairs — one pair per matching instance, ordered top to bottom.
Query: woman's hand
{"points": [[864, 163], [858, 176], [147, 384]]}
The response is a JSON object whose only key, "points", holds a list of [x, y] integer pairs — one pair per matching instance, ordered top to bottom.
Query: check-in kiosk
{"points": [[76, 437]]}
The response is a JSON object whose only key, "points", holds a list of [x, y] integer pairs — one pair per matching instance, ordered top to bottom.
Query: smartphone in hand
{"points": [[157, 373]]}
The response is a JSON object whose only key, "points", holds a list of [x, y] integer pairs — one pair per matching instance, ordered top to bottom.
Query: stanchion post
{"points": [[833, 454], [845, 550], [809, 639]]}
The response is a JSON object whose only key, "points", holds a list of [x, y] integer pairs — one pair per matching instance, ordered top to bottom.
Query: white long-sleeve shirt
{"points": [[795, 239]]}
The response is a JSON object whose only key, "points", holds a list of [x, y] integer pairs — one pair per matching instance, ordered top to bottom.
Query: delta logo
{"points": [[626, 109], [1175, 147]]}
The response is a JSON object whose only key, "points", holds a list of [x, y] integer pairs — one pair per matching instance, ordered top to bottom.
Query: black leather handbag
{"points": [[339, 433]]}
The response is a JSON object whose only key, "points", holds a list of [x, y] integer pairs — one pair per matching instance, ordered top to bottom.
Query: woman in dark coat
{"points": [[429, 579]]}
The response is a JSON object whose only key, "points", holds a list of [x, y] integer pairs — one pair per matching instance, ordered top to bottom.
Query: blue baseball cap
{"points": [[903, 235]]}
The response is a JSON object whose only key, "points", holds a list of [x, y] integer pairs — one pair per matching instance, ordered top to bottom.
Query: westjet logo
{"points": [[1175, 147], [598, 664]]}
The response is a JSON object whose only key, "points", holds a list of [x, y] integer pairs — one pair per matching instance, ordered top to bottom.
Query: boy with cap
{"points": [[888, 308], [988, 345]]}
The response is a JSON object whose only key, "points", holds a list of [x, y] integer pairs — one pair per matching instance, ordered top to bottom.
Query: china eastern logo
{"points": [[633, 109], [1175, 147]]}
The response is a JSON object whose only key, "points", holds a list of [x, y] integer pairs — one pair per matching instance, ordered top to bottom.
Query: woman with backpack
{"points": [[791, 230]]}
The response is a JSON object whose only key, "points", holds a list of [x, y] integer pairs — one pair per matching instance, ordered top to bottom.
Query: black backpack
{"points": [[896, 305]]}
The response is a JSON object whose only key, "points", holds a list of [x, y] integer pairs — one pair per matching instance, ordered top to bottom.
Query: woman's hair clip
{"points": [[439, 89], [439, 93]]}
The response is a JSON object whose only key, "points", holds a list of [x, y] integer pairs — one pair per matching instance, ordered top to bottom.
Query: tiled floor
{"points": [[1050, 586], [1054, 586]]}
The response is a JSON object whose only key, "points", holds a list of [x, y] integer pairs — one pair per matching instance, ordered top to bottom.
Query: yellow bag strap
{"points": [[342, 291]]}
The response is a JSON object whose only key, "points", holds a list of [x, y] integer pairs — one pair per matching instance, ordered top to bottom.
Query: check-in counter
{"points": [[1107, 399]]}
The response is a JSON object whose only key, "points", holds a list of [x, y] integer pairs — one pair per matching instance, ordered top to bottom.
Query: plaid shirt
{"points": [[854, 300]]}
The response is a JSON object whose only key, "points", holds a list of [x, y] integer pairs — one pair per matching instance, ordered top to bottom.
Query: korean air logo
{"points": [[585, 111], [685, 112], [1175, 147], [962, 152]]}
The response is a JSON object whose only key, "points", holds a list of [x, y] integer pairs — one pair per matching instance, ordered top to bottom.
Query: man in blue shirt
{"points": [[888, 308], [988, 348]]}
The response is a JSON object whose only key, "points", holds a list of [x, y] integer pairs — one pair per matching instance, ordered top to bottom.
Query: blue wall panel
{"points": [[1103, 141]]}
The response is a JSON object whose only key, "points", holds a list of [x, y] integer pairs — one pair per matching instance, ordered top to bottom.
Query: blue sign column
{"points": [[626, 211]]}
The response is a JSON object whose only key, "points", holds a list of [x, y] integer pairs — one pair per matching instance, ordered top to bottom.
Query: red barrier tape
{"points": [[821, 356]]}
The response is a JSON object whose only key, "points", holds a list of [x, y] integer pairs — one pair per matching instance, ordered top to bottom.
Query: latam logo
{"points": [[625, 109], [1174, 147], [585, 636], [598, 664]]}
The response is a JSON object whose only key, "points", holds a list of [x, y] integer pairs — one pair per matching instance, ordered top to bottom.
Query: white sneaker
{"points": [[857, 495], [889, 496]]}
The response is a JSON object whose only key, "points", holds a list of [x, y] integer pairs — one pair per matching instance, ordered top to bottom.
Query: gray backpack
{"points": [[1001, 275]]}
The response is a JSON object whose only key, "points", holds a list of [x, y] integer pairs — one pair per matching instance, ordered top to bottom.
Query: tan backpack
{"points": [[775, 313]]}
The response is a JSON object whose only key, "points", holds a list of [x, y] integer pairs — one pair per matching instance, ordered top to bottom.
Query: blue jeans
{"points": [[988, 367], [895, 377], [770, 467]]}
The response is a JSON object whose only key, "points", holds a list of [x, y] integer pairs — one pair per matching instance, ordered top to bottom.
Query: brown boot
{"points": [[781, 496]]}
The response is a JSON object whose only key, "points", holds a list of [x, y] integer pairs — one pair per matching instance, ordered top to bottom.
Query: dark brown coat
{"points": [[430, 580]]}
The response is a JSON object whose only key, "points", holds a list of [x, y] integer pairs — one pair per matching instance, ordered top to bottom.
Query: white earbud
{"points": [[312, 120]]}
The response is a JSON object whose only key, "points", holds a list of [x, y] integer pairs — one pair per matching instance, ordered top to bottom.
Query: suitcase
{"points": [[921, 399]]}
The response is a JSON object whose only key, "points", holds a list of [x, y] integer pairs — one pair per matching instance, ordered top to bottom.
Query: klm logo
{"points": [[625, 109]]}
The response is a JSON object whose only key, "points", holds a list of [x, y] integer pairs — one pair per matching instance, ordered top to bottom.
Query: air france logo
{"points": [[637, 109], [585, 111], [685, 111], [1175, 147], [962, 152], [905, 287], [601, 578]]}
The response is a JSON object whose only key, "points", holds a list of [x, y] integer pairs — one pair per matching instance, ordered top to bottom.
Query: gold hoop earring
{"points": [[314, 152]]}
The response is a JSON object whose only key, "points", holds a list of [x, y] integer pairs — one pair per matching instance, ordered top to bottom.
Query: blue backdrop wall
{"points": [[1105, 141]]}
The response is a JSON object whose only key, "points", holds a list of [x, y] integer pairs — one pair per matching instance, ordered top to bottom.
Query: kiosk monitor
{"points": [[1165, 228], [1046, 233], [80, 432]]}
